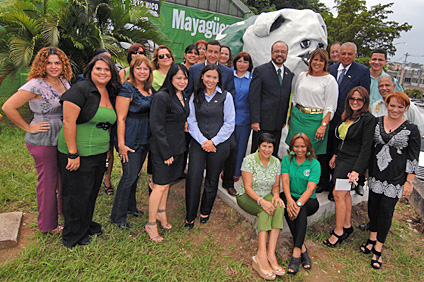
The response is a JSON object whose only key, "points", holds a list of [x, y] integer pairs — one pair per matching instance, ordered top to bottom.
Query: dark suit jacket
{"points": [[357, 75], [227, 78], [268, 100], [167, 122]]}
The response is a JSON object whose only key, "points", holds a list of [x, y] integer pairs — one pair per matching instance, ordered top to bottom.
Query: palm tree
{"points": [[78, 27]]}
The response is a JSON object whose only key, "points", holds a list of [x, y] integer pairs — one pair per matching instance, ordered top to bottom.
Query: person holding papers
{"points": [[354, 136]]}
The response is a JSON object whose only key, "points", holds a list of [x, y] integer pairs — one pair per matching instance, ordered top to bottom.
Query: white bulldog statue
{"points": [[302, 30]]}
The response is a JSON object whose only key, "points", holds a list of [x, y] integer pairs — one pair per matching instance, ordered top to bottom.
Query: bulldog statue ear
{"points": [[267, 22]]}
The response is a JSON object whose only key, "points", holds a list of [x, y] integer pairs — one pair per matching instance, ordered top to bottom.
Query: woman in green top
{"points": [[163, 58], [88, 113], [300, 172], [260, 195]]}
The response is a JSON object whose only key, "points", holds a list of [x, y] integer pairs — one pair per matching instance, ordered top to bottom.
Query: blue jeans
{"points": [[125, 193]]}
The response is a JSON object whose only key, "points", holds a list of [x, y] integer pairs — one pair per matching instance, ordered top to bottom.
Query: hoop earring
{"points": [[292, 153], [308, 154]]}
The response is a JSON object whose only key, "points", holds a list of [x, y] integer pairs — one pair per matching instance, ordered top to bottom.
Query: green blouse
{"points": [[158, 80], [343, 127], [91, 140], [301, 174], [263, 177]]}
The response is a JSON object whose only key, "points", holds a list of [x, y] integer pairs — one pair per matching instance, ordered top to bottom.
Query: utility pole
{"points": [[402, 71]]}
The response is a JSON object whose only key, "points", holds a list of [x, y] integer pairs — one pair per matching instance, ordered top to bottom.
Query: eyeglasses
{"points": [[138, 52], [191, 52], [161, 56], [351, 99]]}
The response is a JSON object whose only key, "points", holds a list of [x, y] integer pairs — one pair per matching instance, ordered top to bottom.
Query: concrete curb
{"points": [[9, 229]]}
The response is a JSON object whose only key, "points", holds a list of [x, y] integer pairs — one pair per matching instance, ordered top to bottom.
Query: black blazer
{"points": [[357, 75], [227, 78], [268, 100], [167, 122]]}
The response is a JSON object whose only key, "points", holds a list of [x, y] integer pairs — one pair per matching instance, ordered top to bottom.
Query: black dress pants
{"points": [[255, 140], [214, 165], [79, 192], [299, 225]]}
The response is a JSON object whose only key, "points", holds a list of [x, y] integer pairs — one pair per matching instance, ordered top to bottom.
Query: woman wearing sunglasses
{"points": [[134, 50], [191, 54], [162, 61], [354, 137]]}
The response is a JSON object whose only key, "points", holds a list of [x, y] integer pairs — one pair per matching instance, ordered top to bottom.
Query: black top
{"points": [[167, 121], [356, 147], [393, 156]]}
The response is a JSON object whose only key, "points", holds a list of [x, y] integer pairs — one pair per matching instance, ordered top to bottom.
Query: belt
{"points": [[309, 110]]}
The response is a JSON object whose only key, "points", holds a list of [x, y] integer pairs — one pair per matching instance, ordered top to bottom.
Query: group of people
{"points": [[206, 108]]}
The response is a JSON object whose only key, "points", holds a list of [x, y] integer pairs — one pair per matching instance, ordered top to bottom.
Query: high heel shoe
{"points": [[189, 225], [167, 226], [348, 231], [154, 239], [339, 241], [364, 248], [306, 260], [376, 260], [294, 265], [278, 270], [262, 273]]}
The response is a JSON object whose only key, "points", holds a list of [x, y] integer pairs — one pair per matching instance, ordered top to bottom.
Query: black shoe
{"points": [[320, 189], [359, 189], [232, 191], [331, 196], [136, 213], [204, 220], [189, 225], [125, 226], [364, 226], [348, 231], [98, 233], [340, 239], [85, 241]]}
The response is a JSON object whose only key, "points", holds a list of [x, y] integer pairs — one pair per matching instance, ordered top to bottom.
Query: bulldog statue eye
{"points": [[305, 44], [320, 45]]}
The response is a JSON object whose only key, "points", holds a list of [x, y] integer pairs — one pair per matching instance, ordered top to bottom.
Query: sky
{"points": [[411, 12]]}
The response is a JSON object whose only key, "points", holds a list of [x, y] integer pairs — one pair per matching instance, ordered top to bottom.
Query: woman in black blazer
{"points": [[168, 115]]}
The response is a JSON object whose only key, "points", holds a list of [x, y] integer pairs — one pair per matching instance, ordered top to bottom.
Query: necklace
{"points": [[392, 127]]}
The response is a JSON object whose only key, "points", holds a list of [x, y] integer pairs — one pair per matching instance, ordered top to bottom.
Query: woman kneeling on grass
{"points": [[300, 172], [260, 195]]}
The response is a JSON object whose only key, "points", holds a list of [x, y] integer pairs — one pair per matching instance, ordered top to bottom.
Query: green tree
{"points": [[314, 5], [260, 6], [77, 27], [368, 29], [414, 93]]}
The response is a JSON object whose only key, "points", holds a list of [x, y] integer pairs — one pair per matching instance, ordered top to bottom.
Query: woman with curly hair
{"points": [[134, 50], [163, 58], [47, 81], [88, 113]]}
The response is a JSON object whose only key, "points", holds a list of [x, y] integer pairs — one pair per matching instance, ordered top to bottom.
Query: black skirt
{"points": [[165, 174]]}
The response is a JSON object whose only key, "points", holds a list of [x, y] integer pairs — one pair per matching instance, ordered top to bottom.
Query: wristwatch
{"points": [[324, 124], [73, 156], [299, 204]]}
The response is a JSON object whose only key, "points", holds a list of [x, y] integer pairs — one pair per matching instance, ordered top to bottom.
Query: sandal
{"points": [[108, 189], [167, 226], [57, 230], [348, 231], [154, 239], [339, 241], [364, 248], [306, 260], [376, 260], [294, 265], [278, 270], [262, 273]]}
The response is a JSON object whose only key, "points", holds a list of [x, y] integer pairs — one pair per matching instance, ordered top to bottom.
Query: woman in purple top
{"points": [[47, 81]]}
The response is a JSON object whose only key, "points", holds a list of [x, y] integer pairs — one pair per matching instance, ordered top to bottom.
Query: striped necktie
{"points": [[279, 76], [341, 76]]}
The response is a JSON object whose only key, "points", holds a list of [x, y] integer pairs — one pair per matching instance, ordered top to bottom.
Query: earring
{"points": [[292, 153], [308, 154]]}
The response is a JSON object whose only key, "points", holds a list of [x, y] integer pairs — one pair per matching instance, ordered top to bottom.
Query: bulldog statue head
{"points": [[302, 30]]}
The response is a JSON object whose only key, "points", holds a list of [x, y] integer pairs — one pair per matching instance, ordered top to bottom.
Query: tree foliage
{"points": [[259, 6], [78, 27], [368, 29], [414, 93]]}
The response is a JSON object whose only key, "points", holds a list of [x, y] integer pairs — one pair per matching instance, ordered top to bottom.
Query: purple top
{"points": [[47, 108]]}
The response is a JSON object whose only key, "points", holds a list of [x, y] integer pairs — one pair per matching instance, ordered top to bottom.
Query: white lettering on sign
{"points": [[194, 25]]}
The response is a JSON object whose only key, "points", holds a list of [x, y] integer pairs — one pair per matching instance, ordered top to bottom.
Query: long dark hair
{"points": [[114, 84], [167, 85], [199, 93], [348, 112]]}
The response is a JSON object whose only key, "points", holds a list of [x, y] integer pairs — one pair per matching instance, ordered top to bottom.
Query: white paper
{"points": [[343, 185]]}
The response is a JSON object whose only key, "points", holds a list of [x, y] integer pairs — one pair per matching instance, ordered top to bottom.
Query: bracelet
{"points": [[73, 156], [410, 182], [261, 198]]}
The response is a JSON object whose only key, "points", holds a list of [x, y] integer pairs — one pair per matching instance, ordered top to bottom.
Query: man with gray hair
{"points": [[387, 85]]}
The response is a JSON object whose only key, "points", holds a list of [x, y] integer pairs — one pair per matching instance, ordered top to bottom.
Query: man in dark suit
{"points": [[213, 52], [348, 74], [269, 96]]}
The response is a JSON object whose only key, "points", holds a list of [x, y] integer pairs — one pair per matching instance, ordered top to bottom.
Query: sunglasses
{"points": [[138, 52], [161, 56], [351, 99]]}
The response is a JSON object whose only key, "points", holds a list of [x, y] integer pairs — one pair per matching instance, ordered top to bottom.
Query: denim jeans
{"points": [[125, 193]]}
